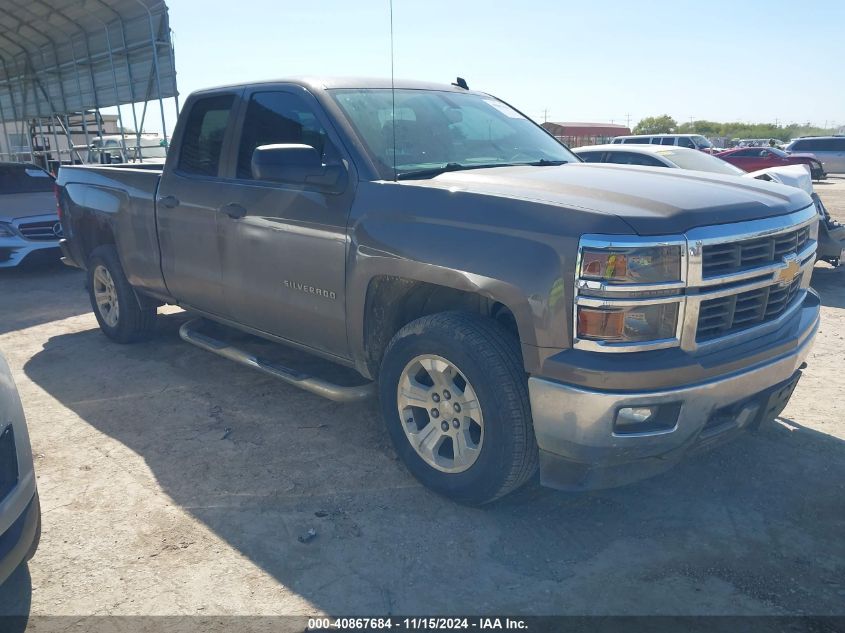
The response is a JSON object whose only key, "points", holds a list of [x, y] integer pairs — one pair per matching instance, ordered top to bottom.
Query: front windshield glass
{"points": [[442, 129], [701, 142], [149, 151], [699, 161]]}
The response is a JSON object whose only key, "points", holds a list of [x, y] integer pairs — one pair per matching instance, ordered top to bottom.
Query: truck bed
{"points": [[121, 197]]}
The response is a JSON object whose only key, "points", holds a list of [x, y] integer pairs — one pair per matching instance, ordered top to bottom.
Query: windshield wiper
{"points": [[436, 171]]}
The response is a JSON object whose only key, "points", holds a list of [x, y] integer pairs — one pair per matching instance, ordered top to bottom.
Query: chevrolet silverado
{"points": [[514, 308]]}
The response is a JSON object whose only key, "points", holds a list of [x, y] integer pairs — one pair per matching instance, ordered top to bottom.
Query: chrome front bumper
{"points": [[574, 426]]}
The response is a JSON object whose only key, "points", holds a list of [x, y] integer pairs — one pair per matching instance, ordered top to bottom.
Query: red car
{"points": [[754, 158]]}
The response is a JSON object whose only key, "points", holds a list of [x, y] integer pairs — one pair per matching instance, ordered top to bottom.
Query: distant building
{"points": [[578, 134]]}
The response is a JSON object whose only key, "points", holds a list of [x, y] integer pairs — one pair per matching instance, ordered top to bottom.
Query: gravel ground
{"points": [[175, 482]]}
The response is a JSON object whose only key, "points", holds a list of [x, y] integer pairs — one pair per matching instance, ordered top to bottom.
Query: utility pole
{"points": [[545, 115], [628, 121], [691, 124]]}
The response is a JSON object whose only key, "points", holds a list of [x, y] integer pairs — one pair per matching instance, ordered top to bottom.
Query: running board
{"points": [[317, 386]]}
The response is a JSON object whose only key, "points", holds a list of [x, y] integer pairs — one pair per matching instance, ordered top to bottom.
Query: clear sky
{"points": [[747, 60]]}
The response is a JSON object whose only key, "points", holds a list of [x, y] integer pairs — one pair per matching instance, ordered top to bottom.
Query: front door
{"points": [[188, 203], [283, 247]]}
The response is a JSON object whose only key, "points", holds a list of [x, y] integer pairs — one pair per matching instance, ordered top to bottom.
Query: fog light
{"points": [[634, 415], [649, 419]]}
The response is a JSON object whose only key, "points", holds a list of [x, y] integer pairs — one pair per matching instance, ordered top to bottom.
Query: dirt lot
{"points": [[175, 482]]}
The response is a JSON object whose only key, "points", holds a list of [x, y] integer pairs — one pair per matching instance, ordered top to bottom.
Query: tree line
{"points": [[664, 124]]}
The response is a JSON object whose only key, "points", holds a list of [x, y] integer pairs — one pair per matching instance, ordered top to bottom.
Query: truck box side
{"points": [[113, 205]]}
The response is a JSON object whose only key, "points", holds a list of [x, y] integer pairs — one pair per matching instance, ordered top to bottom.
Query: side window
{"points": [[280, 118], [655, 140], [668, 140], [635, 141], [685, 141], [202, 142], [838, 145], [801, 146], [590, 157], [629, 158]]}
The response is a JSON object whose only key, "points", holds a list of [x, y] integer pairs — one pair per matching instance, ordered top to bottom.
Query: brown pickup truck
{"points": [[512, 306]]}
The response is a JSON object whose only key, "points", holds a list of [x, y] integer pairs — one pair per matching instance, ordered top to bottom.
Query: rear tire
{"points": [[113, 300], [473, 452]]}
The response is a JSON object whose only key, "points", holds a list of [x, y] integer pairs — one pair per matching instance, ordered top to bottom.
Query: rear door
{"points": [[837, 157], [188, 203], [284, 246]]}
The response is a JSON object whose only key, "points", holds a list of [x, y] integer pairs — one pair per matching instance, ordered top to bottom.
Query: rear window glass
{"points": [[203, 139], [24, 179]]}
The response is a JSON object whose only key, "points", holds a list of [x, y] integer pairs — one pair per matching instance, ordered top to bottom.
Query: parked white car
{"points": [[683, 158], [29, 223], [831, 239], [20, 512]]}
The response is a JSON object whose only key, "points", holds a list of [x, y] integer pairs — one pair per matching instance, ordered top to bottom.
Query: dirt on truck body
{"points": [[513, 307]]}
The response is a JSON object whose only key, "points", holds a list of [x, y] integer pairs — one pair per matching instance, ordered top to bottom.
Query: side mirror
{"points": [[294, 164]]}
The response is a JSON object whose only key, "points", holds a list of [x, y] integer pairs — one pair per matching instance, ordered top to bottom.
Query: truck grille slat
{"points": [[725, 259], [725, 315]]}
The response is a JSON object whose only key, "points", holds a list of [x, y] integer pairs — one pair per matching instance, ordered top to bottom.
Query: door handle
{"points": [[171, 202], [233, 210]]}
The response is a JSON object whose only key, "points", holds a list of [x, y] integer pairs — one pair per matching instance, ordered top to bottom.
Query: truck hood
{"points": [[651, 200], [16, 206]]}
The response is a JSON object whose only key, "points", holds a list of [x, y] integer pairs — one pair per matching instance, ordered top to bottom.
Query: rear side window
{"points": [[280, 118], [617, 140], [655, 140], [668, 140], [637, 141], [202, 142], [819, 145], [590, 157], [629, 158], [24, 179]]}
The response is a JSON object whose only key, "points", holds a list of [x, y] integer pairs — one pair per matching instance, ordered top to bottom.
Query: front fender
{"points": [[473, 243]]}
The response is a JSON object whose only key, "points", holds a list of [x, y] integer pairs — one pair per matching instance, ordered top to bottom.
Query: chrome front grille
{"points": [[39, 231], [734, 257], [734, 313]]}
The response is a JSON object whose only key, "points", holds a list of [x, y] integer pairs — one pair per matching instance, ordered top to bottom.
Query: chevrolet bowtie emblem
{"points": [[790, 272]]}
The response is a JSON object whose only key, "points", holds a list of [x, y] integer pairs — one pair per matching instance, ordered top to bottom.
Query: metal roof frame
{"points": [[63, 58]]}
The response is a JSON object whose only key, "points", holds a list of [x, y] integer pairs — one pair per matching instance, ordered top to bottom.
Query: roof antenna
{"points": [[460, 82], [392, 95]]}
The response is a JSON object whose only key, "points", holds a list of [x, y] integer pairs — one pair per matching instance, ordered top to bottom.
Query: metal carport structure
{"points": [[63, 61]]}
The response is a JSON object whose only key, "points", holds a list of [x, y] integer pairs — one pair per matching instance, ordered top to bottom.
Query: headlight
{"points": [[6, 230], [635, 265], [629, 293], [630, 324]]}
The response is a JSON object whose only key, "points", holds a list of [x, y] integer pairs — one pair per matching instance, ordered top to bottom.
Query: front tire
{"points": [[113, 300], [454, 396]]}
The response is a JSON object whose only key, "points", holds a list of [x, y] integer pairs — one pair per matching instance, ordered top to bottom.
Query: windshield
{"points": [[442, 129], [701, 142], [149, 151], [699, 161], [24, 179]]}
